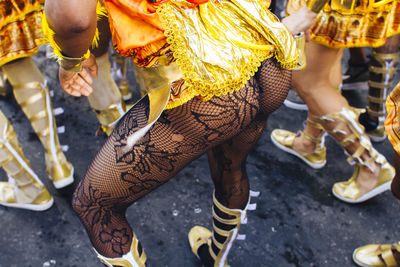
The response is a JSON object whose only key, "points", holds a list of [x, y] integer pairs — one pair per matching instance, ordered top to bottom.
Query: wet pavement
{"points": [[297, 222]]}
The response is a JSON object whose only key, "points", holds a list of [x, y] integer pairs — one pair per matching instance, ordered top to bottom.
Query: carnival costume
{"points": [[344, 24], [339, 25], [21, 34], [210, 88]]}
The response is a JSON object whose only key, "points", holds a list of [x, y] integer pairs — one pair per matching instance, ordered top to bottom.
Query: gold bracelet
{"points": [[316, 5], [72, 64]]}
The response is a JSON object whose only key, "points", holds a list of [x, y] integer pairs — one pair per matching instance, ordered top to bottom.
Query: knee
{"points": [[76, 201]]}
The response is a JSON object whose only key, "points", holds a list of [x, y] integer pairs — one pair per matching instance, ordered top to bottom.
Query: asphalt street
{"points": [[297, 222]]}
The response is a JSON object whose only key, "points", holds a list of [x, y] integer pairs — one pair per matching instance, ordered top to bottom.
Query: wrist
{"points": [[72, 64]]}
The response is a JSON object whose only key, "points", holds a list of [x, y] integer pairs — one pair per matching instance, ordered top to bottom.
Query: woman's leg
{"points": [[382, 69], [33, 96], [328, 108], [228, 171], [117, 177], [231, 197]]}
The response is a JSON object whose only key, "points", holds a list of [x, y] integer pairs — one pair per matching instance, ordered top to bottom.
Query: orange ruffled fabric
{"points": [[366, 24], [136, 30]]}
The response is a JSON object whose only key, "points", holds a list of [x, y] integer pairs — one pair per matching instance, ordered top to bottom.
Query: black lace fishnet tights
{"points": [[226, 126]]}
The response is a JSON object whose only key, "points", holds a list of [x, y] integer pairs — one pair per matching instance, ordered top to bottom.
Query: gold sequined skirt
{"points": [[351, 23], [20, 29], [219, 45], [216, 46]]}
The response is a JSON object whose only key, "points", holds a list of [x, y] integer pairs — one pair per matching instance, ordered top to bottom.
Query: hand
{"points": [[300, 21], [77, 84]]}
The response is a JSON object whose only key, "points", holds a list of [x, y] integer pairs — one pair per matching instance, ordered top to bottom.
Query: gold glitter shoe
{"points": [[34, 99], [345, 129], [284, 140], [24, 189], [348, 191], [14, 197], [377, 255], [134, 258]]}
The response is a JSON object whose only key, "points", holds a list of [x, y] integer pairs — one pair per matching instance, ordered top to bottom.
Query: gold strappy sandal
{"points": [[347, 131], [284, 140]]}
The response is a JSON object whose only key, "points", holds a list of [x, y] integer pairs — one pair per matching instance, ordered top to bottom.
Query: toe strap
{"points": [[388, 257]]}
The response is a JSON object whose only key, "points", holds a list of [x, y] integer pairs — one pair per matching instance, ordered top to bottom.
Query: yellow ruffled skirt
{"points": [[351, 23], [20, 29], [216, 46]]}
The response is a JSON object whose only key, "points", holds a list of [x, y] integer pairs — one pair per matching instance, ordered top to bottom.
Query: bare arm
{"points": [[74, 23]]}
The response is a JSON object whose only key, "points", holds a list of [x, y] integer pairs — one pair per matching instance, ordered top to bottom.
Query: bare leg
{"points": [[331, 111]]}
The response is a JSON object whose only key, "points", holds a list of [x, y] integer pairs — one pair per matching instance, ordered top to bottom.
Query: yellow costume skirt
{"points": [[351, 23], [20, 29], [215, 47], [392, 122]]}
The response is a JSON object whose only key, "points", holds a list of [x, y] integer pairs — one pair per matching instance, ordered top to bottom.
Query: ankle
{"points": [[303, 144], [368, 177]]}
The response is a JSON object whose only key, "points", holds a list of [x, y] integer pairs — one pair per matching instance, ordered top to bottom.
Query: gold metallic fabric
{"points": [[353, 23], [20, 29], [217, 46]]}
